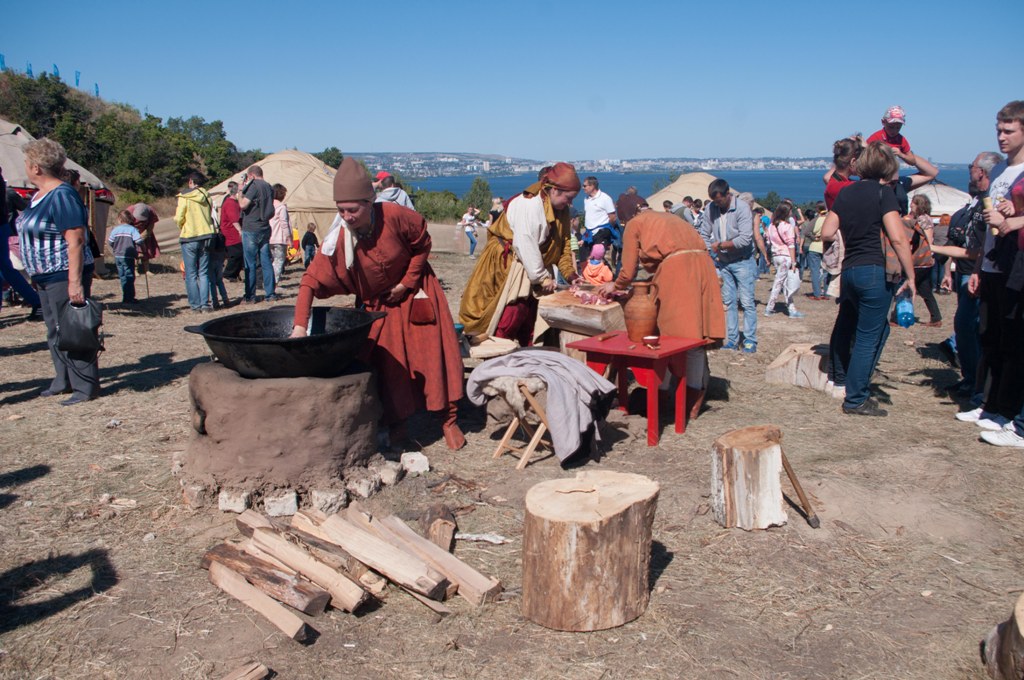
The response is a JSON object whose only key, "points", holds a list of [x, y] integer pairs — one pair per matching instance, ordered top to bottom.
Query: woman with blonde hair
{"points": [[53, 234]]}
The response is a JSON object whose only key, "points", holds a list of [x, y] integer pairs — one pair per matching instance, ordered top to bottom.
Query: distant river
{"points": [[802, 186]]}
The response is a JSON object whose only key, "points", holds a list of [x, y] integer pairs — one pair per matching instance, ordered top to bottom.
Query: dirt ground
{"points": [[919, 551]]}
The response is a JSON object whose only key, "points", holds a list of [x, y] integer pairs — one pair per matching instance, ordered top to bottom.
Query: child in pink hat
{"points": [[892, 123]]}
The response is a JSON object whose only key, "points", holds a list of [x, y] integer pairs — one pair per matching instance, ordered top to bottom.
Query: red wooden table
{"points": [[648, 366]]}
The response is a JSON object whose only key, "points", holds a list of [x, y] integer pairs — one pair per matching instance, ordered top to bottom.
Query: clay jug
{"points": [[641, 311]]}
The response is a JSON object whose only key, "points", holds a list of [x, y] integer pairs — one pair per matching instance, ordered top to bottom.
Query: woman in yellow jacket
{"points": [[195, 219]]}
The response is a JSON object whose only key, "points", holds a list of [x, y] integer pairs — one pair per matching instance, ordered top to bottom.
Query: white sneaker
{"points": [[972, 416], [992, 421], [1005, 437]]}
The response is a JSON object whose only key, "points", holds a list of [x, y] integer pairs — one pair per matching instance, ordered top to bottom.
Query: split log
{"points": [[564, 311], [802, 365], [746, 466], [360, 517], [250, 520], [438, 524], [320, 547], [587, 550], [394, 563], [235, 585], [280, 585], [473, 586], [345, 593], [1002, 650], [253, 670]]}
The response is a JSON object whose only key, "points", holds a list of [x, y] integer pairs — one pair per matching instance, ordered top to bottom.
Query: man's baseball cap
{"points": [[895, 114], [381, 175]]}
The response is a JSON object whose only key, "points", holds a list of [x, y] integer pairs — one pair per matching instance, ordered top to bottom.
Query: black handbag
{"points": [[78, 327]]}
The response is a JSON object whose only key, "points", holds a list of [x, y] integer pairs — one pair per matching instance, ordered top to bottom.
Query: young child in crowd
{"points": [[892, 123], [782, 235], [125, 240], [309, 244], [596, 270]]}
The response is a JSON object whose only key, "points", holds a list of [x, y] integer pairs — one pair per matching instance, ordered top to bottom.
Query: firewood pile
{"points": [[343, 560]]}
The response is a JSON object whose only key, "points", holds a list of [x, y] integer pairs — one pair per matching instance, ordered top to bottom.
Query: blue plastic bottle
{"points": [[905, 311]]}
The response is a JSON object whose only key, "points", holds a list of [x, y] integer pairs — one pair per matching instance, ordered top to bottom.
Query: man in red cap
{"points": [[378, 178], [526, 240], [378, 252]]}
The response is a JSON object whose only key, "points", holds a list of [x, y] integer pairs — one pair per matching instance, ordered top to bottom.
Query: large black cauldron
{"points": [[256, 344]]}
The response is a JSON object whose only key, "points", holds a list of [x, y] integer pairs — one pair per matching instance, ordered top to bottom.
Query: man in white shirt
{"points": [[598, 215], [1001, 329]]}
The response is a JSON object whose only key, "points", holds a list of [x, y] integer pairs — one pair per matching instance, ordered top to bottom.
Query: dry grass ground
{"points": [[918, 554]]}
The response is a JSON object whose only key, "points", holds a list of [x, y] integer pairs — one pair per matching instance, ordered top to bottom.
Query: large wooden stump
{"points": [[574, 320], [745, 468], [587, 549], [1003, 649]]}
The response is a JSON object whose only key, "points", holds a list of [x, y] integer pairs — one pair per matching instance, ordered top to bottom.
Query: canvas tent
{"points": [[693, 184], [310, 198], [99, 199], [945, 199]]}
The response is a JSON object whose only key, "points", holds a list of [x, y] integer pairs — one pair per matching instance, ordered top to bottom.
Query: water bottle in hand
{"points": [[905, 311]]}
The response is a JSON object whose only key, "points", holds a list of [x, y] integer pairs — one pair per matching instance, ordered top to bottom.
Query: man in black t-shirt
{"points": [[257, 203]]}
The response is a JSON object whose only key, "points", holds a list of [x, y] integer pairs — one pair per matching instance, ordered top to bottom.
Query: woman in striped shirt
{"points": [[52, 231]]}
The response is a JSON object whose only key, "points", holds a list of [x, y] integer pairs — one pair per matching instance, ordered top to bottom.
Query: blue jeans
{"points": [[472, 241], [256, 246], [308, 253], [196, 255], [814, 264], [126, 272], [11, 275], [216, 277], [738, 282], [861, 329], [965, 329]]}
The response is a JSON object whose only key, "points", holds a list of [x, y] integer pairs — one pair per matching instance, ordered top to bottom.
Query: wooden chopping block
{"points": [[564, 311]]}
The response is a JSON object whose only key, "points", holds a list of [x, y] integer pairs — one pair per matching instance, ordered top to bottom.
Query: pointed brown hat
{"points": [[352, 183]]}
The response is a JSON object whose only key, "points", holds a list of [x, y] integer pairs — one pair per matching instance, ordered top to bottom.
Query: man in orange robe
{"points": [[379, 254]]}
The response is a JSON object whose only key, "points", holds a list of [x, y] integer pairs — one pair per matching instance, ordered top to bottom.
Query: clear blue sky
{"points": [[545, 79]]}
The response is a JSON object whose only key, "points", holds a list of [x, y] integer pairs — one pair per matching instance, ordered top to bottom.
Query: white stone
{"points": [[415, 463], [390, 472], [364, 486], [234, 500], [328, 501], [281, 503]]}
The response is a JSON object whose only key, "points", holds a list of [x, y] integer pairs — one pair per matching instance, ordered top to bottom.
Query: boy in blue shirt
{"points": [[125, 240]]}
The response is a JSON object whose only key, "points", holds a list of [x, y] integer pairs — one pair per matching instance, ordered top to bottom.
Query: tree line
{"points": [[143, 157]]}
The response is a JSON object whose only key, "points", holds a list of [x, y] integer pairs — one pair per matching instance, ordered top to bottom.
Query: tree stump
{"points": [[802, 365], [746, 465], [587, 550], [1003, 649]]}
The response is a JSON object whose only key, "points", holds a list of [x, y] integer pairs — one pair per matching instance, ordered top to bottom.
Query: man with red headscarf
{"points": [[530, 236], [378, 252]]}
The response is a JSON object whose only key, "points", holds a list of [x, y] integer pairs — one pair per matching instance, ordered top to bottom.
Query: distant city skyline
{"points": [[525, 80]]}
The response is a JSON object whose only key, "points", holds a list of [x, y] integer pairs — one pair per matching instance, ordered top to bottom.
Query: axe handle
{"points": [[812, 519]]}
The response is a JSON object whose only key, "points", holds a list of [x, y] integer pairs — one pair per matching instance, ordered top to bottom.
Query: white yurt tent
{"points": [[694, 184], [310, 197], [98, 199], [945, 199]]}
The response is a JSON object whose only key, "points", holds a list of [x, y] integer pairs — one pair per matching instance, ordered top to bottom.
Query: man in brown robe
{"points": [[379, 254], [688, 295]]}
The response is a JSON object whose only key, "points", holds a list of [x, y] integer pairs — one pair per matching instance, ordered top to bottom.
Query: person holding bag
{"points": [[866, 213], [52, 232], [379, 253]]}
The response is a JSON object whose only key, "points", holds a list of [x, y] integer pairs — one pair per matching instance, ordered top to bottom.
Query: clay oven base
{"points": [[284, 432]]}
